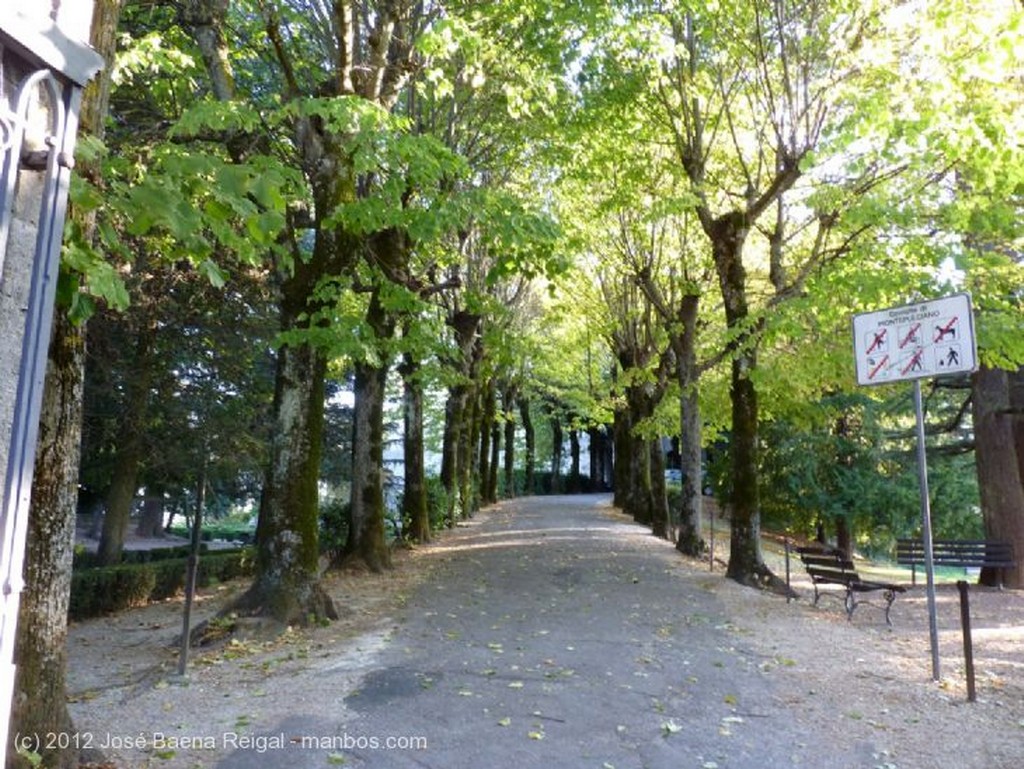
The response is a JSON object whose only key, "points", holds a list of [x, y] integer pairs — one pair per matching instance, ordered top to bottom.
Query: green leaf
{"points": [[212, 272]]}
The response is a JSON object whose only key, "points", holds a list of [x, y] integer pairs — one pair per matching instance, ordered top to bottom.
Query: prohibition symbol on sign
{"points": [[946, 331], [912, 341]]}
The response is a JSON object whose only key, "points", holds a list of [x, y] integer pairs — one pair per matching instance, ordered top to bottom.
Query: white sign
{"points": [[915, 341]]}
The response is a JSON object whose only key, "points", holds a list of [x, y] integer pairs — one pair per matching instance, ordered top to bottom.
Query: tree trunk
{"points": [[508, 400], [453, 411], [1017, 412], [486, 435], [622, 437], [468, 439], [530, 446], [130, 447], [556, 454], [602, 459], [456, 460], [574, 462], [999, 470], [492, 482], [414, 495], [640, 495], [659, 495], [691, 511], [151, 522], [844, 536], [366, 541], [746, 564], [286, 586], [40, 702], [39, 706]]}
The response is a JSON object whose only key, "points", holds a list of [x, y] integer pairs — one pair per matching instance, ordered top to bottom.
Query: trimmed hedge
{"points": [[86, 559], [109, 589]]}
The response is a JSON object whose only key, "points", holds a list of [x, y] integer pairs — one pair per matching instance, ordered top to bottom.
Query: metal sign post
{"points": [[913, 342], [926, 532]]}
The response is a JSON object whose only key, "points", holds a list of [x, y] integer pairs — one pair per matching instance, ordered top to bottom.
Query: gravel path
{"points": [[553, 632]]}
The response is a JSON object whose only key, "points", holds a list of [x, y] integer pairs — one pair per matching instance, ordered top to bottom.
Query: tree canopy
{"points": [[654, 215]]}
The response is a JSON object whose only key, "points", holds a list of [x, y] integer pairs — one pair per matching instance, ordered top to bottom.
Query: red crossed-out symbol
{"points": [[941, 331], [911, 335], [877, 342], [915, 362], [876, 369]]}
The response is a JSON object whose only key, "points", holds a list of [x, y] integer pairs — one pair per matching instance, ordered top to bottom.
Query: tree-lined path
{"points": [[556, 632], [559, 634]]}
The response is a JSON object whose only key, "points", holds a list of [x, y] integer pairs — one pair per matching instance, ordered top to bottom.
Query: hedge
{"points": [[87, 559], [109, 589]]}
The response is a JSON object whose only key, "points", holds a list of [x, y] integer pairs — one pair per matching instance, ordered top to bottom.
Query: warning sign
{"points": [[914, 341]]}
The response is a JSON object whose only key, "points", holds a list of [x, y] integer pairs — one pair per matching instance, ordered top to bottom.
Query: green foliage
{"points": [[858, 462], [438, 502], [335, 517], [95, 592]]}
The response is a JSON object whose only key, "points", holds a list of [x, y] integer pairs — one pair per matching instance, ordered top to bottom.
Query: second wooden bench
{"points": [[965, 554]]}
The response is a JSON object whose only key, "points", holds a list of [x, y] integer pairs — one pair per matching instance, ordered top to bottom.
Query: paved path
{"points": [[558, 634]]}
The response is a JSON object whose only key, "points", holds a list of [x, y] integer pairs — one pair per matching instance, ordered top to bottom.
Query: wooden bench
{"points": [[954, 552], [828, 566]]}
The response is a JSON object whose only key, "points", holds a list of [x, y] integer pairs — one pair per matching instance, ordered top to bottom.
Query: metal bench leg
{"points": [[890, 596], [850, 603]]}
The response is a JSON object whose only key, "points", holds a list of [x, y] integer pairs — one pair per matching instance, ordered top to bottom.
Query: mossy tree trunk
{"points": [[489, 439], [469, 440], [450, 450], [455, 459], [414, 494], [691, 508], [366, 537], [746, 564], [286, 586], [40, 699], [39, 706]]}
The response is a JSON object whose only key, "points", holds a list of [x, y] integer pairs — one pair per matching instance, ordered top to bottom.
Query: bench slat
{"points": [[964, 553]]}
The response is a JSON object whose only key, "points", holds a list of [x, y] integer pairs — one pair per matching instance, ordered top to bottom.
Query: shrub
{"points": [[437, 503], [335, 514], [225, 531], [85, 559], [109, 589]]}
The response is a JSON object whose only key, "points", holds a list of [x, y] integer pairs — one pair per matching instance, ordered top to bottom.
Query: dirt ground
{"points": [[883, 676]]}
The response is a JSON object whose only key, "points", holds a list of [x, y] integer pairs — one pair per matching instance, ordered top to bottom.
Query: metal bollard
{"points": [[965, 622]]}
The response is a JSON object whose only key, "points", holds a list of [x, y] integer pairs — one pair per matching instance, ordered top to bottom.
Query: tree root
{"points": [[764, 578], [262, 614]]}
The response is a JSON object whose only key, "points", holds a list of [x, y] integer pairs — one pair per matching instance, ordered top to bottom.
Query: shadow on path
{"points": [[556, 633]]}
